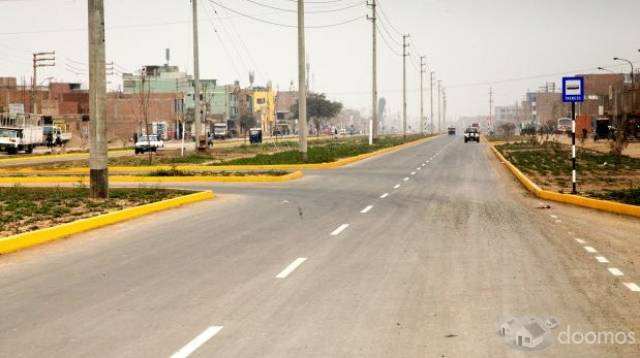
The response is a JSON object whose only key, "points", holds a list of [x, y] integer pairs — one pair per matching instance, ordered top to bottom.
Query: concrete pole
{"points": [[422, 70], [374, 76], [302, 84], [404, 85], [431, 100], [439, 106], [200, 144], [98, 156]]}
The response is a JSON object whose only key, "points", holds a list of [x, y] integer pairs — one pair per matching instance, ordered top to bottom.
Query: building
{"points": [[285, 100], [264, 108]]}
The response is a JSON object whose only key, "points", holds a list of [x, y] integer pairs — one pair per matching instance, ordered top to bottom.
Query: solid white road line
{"points": [[406, 179], [397, 186], [384, 195], [367, 209], [340, 229], [580, 241], [590, 249], [602, 259], [294, 265], [614, 271], [632, 286], [197, 342]]}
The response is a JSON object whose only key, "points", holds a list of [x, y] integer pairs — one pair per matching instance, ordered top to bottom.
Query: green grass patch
{"points": [[324, 152], [186, 173], [628, 196], [26, 209]]}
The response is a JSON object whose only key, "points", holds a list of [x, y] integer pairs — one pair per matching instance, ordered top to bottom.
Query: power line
{"points": [[306, 12], [384, 15], [284, 25], [391, 36], [386, 42], [224, 47]]}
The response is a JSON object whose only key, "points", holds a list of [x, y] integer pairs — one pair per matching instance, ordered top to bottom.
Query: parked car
{"points": [[472, 134], [148, 143]]}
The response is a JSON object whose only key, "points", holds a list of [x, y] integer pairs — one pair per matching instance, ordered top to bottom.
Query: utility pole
{"points": [[405, 54], [40, 59], [423, 67], [374, 75], [302, 84], [431, 100], [439, 106], [444, 107], [490, 109], [200, 144], [98, 156]]}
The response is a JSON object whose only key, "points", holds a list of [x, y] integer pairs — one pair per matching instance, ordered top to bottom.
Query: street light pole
{"points": [[630, 64], [605, 69]]}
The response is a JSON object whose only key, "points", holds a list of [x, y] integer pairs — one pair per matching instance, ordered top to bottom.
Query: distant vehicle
{"points": [[475, 125], [564, 125], [602, 129], [452, 130], [221, 131], [342, 131], [19, 133], [472, 134], [59, 135], [255, 135], [148, 143]]}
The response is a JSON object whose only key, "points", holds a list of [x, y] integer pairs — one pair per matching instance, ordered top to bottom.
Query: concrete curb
{"points": [[53, 156], [331, 165], [151, 179], [602, 205], [30, 239]]}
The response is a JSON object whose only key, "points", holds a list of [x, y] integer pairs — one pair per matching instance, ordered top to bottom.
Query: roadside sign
{"points": [[573, 89], [16, 108]]}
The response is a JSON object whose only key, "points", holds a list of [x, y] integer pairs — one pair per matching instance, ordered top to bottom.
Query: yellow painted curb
{"points": [[54, 156], [138, 169], [151, 179], [602, 205], [29, 239]]}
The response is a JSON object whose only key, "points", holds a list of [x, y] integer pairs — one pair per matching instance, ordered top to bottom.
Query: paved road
{"points": [[339, 264]]}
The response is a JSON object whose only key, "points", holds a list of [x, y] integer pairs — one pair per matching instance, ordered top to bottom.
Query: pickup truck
{"points": [[472, 134], [148, 143]]}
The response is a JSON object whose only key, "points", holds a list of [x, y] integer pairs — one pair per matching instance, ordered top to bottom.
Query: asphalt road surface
{"points": [[424, 252]]}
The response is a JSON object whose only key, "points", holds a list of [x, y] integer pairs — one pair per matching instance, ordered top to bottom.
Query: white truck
{"points": [[220, 131], [19, 134], [148, 143]]}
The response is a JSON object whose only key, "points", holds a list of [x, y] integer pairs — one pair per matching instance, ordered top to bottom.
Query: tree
{"points": [[319, 109], [247, 121], [508, 128]]}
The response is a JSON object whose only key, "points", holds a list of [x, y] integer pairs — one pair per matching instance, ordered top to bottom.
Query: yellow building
{"points": [[264, 108]]}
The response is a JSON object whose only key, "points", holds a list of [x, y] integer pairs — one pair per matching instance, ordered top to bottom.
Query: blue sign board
{"points": [[573, 89]]}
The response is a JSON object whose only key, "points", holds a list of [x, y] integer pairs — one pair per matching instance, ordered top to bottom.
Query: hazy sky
{"points": [[512, 45]]}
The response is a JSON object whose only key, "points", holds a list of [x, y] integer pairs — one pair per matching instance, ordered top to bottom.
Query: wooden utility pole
{"points": [[405, 54], [374, 69], [302, 84], [200, 143], [98, 156]]}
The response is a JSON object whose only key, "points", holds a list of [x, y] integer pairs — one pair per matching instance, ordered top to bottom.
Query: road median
{"points": [[602, 205], [29, 239]]}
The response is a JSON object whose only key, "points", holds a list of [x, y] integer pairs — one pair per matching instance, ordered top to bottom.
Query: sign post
{"points": [[572, 92]]}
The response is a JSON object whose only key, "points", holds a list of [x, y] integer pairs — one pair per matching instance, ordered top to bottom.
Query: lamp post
{"points": [[631, 64]]}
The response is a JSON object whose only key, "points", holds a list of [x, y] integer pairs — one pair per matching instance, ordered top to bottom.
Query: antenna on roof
{"points": [[167, 56]]}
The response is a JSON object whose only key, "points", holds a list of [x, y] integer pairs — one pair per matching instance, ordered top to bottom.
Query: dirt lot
{"points": [[27, 209]]}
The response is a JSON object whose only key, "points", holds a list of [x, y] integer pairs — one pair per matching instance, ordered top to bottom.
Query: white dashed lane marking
{"points": [[406, 179], [397, 186], [384, 195], [367, 209], [339, 230], [580, 241], [590, 249], [602, 259], [292, 266], [614, 271], [632, 286], [197, 342]]}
